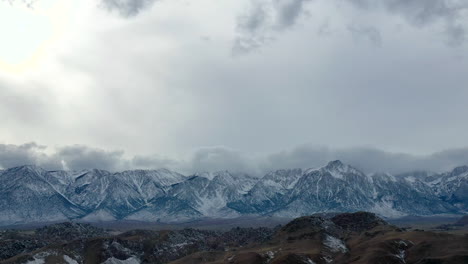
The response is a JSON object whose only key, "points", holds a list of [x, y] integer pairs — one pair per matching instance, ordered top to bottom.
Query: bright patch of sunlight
{"points": [[28, 31]]}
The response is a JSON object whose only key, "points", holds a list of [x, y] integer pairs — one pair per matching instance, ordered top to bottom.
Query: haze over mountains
{"points": [[29, 194]]}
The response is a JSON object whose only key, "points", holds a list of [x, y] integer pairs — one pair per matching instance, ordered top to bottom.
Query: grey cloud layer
{"points": [[127, 8], [423, 13], [265, 18], [257, 26], [368, 32], [159, 88], [16, 105], [14, 155], [79, 157], [221, 158], [369, 159]]}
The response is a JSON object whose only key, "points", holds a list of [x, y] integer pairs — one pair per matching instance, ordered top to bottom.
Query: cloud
{"points": [[127, 8], [288, 12], [425, 13], [265, 18], [370, 33], [159, 87], [22, 104], [18, 155], [75, 157], [80, 157], [218, 158], [221, 158], [367, 159], [157, 161]]}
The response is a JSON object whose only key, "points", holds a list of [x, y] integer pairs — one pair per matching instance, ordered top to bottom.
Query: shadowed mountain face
{"points": [[30, 194], [359, 238]]}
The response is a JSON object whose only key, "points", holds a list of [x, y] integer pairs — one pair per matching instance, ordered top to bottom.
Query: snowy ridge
{"points": [[29, 193]]}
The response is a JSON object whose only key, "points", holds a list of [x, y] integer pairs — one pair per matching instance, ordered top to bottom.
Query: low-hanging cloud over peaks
{"points": [[218, 158]]}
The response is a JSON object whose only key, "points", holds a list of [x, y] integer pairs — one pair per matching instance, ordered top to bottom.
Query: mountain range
{"points": [[29, 194]]}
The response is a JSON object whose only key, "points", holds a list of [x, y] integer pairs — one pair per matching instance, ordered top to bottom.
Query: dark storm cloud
{"points": [[127, 8]]}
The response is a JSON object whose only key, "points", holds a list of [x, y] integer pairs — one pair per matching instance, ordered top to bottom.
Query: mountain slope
{"points": [[337, 187], [452, 187], [27, 197]]}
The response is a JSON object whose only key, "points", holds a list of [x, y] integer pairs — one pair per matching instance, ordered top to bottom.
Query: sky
{"points": [[243, 85]]}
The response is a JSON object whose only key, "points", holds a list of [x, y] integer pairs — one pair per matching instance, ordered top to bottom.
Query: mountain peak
{"points": [[335, 164], [26, 168], [338, 169], [460, 170], [211, 175]]}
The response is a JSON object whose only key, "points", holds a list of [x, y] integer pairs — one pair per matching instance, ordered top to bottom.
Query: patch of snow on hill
{"points": [[385, 209], [335, 244], [69, 260], [113, 260]]}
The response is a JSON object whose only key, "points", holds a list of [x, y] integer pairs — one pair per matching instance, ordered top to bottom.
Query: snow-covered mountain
{"points": [[452, 187], [340, 188], [29, 194], [26, 196]]}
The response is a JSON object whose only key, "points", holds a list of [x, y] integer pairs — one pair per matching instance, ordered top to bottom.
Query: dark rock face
{"points": [[360, 221], [11, 248]]}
